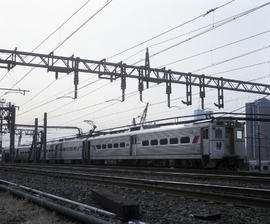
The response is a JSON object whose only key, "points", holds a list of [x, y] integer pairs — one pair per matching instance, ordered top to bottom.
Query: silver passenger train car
{"points": [[209, 144]]}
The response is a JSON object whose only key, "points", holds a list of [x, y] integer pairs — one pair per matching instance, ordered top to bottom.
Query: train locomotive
{"points": [[218, 143]]}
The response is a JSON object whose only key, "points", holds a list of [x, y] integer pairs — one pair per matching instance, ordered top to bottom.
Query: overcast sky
{"points": [[119, 26]]}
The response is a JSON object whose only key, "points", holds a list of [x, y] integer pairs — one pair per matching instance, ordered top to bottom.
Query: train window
{"points": [[220, 123], [237, 124], [205, 133], [218, 133], [239, 134], [185, 140], [163, 141], [173, 141], [154, 142], [145, 143], [122, 144], [115, 145], [218, 145], [98, 146], [104, 146], [109, 146]]}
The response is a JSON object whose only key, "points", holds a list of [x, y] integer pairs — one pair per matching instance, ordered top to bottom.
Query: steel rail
{"points": [[209, 176], [238, 195], [55, 197], [83, 218]]}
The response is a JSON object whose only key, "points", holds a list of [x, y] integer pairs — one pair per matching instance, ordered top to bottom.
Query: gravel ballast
{"points": [[154, 207]]}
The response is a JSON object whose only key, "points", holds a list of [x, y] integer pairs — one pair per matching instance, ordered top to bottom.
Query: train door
{"points": [[229, 140], [133, 145], [205, 147], [217, 148], [86, 151], [56, 152], [17, 154]]}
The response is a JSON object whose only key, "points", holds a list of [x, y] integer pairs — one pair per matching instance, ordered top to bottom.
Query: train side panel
{"points": [[173, 144], [110, 148]]}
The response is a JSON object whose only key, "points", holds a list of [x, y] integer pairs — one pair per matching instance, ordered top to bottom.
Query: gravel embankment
{"points": [[154, 207], [17, 211]]}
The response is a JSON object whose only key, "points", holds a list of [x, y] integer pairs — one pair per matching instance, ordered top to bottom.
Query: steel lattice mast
{"points": [[144, 74]]}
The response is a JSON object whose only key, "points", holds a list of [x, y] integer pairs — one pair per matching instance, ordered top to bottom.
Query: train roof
{"points": [[135, 130], [145, 130]]}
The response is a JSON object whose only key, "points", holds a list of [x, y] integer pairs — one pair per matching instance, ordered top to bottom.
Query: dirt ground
{"points": [[15, 211]]}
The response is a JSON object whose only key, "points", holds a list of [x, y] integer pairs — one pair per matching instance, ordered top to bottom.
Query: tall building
{"points": [[258, 134]]}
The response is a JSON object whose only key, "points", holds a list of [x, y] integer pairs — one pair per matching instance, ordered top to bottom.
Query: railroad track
{"points": [[252, 178], [238, 195]]}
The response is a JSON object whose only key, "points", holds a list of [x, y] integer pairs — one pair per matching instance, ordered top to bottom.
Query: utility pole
{"points": [[12, 116], [1, 132], [45, 137], [35, 140], [259, 150]]}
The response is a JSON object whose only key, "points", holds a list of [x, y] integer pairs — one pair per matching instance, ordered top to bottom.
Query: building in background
{"points": [[202, 114], [258, 134]]}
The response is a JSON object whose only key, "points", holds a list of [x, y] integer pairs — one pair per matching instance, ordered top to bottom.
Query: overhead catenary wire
{"points": [[211, 10], [202, 15], [228, 20], [171, 29], [54, 31], [167, 31], [68, 37], [174, 38], [217, 48], [186, 58], [182, 59], [231, 59], [240, 68], [62, 94], [53, 100], [101, 103], [67, 104], [157, 104], [93, 105], [106, 106], [242, 107], [178, 109]]}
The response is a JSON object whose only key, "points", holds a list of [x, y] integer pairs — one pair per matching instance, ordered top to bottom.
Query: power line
{"points": [[228, 20], [83, 24], [171, 29], [53, 32], [69, 36], [156, 37], [173, 38], [217, 48], [233, 58], [240, 68], [42, 90], [64, 93], [53, 100], [62, 106], [90, 106], [107, 106]]}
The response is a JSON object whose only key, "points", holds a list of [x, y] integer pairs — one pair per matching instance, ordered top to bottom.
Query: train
{"points": [[218, 143]]}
